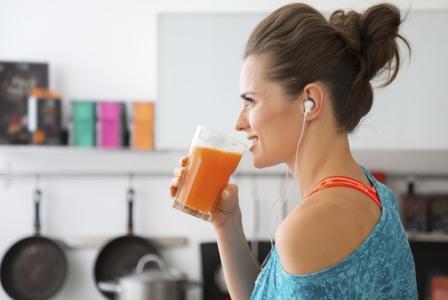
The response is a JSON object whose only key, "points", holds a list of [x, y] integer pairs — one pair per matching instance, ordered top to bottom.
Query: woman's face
{"points": [[271, 122]]}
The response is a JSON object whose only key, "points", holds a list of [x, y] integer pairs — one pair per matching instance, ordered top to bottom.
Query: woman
{"points": [[305, 84]]}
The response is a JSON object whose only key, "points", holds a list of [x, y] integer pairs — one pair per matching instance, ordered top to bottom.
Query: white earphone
{"points": [[309, 105]]}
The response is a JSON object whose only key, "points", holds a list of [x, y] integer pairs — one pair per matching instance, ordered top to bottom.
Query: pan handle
{"points": [[130, 197], [37, 198]]}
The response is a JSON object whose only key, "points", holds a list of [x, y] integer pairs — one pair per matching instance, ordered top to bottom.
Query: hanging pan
{"points": [[120, 256], [34, 268]]}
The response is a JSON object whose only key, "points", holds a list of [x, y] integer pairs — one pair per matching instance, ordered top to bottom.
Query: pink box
{"points": [[110, 111], [109, 125]]}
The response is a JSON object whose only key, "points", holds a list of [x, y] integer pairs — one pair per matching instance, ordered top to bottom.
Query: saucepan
{"points": [[153, 284]]}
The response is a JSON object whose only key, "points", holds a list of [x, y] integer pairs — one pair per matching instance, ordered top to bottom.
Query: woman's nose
{"points": [[241, 123]]}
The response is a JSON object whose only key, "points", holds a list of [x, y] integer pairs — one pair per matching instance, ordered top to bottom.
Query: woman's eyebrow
{"points": [[244, 95]]}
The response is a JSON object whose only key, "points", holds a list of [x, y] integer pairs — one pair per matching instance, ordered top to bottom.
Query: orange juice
{"points": [[207, 174]]}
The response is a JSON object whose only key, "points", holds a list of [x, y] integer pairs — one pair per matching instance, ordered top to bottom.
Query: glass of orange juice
{"points": [[212, 158]]}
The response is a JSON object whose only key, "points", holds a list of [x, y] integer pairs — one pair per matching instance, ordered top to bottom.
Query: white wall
{"points": [[101, 49]]}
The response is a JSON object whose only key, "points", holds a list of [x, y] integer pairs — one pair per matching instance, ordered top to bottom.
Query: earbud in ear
{"points": [[309, 105]]}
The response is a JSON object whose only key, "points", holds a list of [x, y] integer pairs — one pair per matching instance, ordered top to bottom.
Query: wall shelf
{"points": [[76, 149], [22, 161], [428, 237], [93, 242]]}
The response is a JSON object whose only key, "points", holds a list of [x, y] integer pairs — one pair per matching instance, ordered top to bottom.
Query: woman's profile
{"points": [[306, 83]]}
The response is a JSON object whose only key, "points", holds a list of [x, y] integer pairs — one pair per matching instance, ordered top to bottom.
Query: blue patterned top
{"points": [[382, 267]]}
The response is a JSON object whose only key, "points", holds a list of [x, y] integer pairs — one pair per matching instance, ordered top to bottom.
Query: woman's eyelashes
{"points": [[248, 101]]}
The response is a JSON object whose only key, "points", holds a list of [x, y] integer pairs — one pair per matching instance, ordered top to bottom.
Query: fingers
{"points": [[183, 161], [179, 172], [175, 182], [174, 186], [232, 188], [173, 191], [229, 192]]}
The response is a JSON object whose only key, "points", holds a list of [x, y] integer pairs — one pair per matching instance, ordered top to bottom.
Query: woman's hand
{"points": [[179, 173], [227, 207]]}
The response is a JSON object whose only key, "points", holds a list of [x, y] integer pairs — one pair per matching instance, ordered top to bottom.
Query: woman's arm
{"points": [[239, 265]]}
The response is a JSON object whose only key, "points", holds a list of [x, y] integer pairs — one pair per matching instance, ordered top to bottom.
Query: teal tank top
{"points": [[382, 267]]}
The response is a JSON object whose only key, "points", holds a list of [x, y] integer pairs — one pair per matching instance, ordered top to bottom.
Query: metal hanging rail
{"points": [[63, 175], [108, 175]]}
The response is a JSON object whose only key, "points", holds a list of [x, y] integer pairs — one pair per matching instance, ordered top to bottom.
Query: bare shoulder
{"points": [[324, 230]]}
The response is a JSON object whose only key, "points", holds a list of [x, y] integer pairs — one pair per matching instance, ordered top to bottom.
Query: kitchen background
{"points": [[133, 50]]}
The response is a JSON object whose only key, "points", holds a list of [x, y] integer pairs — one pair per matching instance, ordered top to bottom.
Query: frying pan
{"points": [[120, 256], [34, 268]]}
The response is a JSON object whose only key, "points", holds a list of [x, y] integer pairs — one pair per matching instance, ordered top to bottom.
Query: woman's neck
{"points": [[323, 156]]}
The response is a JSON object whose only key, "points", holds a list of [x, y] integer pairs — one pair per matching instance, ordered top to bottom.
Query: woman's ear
{"points": [[315, 92]]}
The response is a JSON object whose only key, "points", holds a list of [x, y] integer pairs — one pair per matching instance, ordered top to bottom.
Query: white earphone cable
{"points": [[288, 184]]}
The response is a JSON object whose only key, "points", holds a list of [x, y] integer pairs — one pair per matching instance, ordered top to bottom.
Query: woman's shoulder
{"points": [[323, 230]]}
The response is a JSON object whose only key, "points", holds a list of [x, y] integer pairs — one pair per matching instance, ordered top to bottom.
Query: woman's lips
{"points": [[253, 142]]}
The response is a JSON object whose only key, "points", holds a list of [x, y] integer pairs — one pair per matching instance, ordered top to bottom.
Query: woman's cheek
{"points": [[254, 119]]}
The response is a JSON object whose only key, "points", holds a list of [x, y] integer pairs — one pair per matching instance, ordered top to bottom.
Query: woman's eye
{"points": [[249, 101]]}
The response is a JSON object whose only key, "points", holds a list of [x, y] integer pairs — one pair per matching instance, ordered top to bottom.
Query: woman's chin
{"points": [[261, 159], [256, 161], [261, 163], [258, 165]]}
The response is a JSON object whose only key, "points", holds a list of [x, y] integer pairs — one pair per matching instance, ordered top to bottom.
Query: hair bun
{"points": [[347, 24], [374, 36]]}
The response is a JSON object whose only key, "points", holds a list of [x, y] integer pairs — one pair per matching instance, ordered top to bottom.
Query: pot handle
{"points": [[150, 258], [110, 286]]}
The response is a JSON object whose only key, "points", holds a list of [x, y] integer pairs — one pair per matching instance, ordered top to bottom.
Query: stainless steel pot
{"points": [[153, 284]]}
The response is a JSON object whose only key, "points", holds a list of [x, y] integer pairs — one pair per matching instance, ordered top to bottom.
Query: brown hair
{"points": [[345, 53]]}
